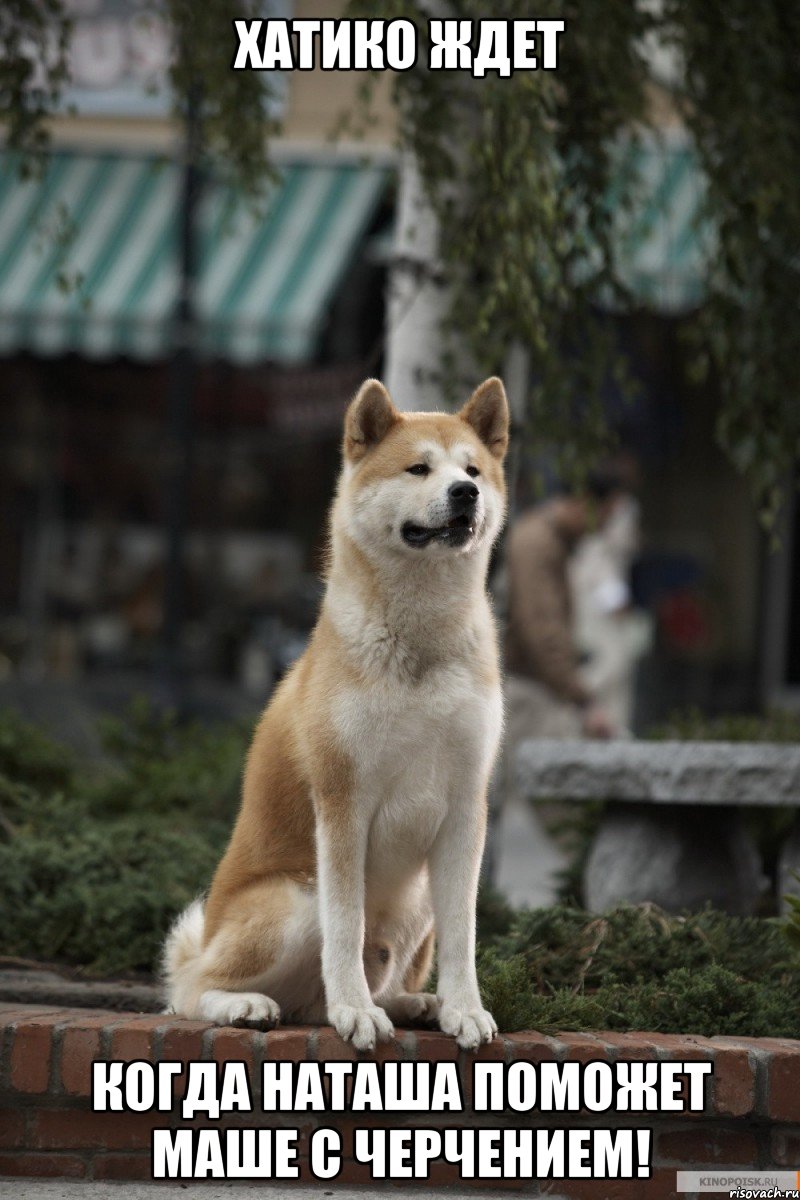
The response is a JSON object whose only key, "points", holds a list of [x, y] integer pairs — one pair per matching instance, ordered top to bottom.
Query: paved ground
{"points": [[526, 857], [57, 1189]]}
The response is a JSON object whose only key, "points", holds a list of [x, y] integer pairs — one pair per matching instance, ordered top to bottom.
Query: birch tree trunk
{"points": [[417, 300]]}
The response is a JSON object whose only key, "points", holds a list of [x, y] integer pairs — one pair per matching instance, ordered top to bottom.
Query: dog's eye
{"points": [[419, 469], [472, 471]]}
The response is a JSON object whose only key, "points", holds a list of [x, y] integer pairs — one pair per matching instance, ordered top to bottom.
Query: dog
{"points": [[363, 812]]}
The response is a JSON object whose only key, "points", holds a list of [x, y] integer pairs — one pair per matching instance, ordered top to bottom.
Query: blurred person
{"points": [[611, 634], [547, 695]]}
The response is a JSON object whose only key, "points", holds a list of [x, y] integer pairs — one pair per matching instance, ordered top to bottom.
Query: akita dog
{"points": [[364, 799]]}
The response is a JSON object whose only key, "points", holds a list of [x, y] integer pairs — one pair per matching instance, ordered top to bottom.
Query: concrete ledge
{"points": [[741, 773], [36, 984], [751, 1119]]}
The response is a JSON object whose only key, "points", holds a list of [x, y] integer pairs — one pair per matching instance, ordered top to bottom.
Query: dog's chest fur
{"points": [[417, 738]]}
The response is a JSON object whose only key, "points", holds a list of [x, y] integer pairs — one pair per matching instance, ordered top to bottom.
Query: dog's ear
{"points": [[487, 412], [369, 418]]}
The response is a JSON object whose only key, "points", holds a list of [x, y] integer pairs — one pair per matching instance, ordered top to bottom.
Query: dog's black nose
{"points": [[462, 494]]}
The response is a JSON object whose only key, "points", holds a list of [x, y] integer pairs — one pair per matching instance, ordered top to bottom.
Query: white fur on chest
{"points": [[393, 731], [416, 750]]}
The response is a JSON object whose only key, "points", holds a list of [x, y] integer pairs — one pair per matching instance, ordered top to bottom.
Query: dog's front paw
{"points": [[413, 1006], [250, 1009], [469, 1025], [361, 1026]]}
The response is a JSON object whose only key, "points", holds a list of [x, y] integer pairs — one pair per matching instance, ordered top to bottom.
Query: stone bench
{"points": [[672, 832]]}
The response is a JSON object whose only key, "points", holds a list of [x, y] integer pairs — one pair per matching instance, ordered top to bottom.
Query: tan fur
{"points": [[301, 782], [417, 974]]}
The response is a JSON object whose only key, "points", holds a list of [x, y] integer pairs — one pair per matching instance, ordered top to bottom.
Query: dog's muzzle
{"points": [[462, 498]]}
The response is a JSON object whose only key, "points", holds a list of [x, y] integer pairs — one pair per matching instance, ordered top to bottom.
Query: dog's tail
{"points": [[180, 959]]}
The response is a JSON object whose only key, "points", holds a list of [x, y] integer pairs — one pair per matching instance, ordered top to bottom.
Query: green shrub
{"points": [[692, 725], [30, 756], [158, 764], [95, 863], [100, 895], [792, 925], [567, 947], [638, 968], [709, 1002]]}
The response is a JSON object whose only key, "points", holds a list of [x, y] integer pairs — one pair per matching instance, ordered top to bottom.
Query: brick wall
{"points": [[751, 1120]]}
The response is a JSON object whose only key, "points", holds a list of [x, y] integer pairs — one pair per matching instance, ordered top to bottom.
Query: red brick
{"points": [[79, 1017], [148, 1020], [135, 1038], [183, 1041], [770, 1044], [235, 1045], [287, 1045], [677, 1046], [435, 1047], [532, 1047], [583, 1047], [636, 1047], [79, 1048], [332, 1048], [396, 1048], [493, 1051], [31, 1053], [728, 1083], [734, 1083], [784, 1084], [683, 1092], [347, 1124], [12, 1128], [81, 1129], [707, 1147], [785, 1149], [49, 1166], [122, 1166], [351, 1173], [442, 1175], [446, 1175], [660, 1186], [516, 1187], [597, 1189]]}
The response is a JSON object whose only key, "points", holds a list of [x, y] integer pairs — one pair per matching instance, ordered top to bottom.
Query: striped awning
{"points": [[663, 245], [89, 257]]}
